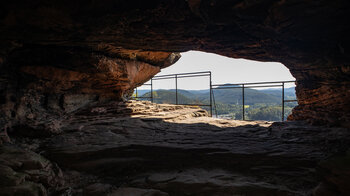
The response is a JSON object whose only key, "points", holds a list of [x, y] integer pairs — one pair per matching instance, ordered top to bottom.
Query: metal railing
{"points": [[176, 77], [243, 86], [213, 87]]}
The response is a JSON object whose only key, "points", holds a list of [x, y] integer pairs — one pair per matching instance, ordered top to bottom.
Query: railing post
{"points": [[176, 88], [152, 90], [136, 94], [210, 94], [282, 101], [216, 112], [243, 113]]}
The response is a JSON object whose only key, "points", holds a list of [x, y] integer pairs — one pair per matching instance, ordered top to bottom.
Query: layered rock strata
{"points": [[309, 37], [64, 63], [41, 85], [139, 148]]}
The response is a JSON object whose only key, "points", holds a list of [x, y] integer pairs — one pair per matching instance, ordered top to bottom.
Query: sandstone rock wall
{"points": [[309, 37], [40, 85], [323, 96], [142, 148]]}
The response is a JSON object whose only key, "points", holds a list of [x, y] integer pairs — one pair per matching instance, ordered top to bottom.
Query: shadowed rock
{"points": [[93, 46], [142, 147]]}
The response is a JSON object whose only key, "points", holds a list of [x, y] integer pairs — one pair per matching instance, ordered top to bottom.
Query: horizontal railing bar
{"points": [[198, 72], [183, 74], [193, 76], [163, 78], [253, 83], [146, 84], [263, 86], [228, 87], [247, 87], [143, 97], [294, 100], [192, 104]]}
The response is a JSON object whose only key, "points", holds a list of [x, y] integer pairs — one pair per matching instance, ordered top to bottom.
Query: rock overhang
{"points": [[309, 37]]}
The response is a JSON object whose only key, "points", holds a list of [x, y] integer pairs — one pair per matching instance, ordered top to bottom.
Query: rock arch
{"points": [[60, 55]]}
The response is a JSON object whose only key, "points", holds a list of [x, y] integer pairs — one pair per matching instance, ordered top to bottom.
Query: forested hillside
{"points": [[259, 104]]}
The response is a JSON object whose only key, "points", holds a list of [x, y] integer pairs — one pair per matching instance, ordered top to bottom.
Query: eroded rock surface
{"points": [[309, 37], [41, 85], [140, 148], [24, 172]]}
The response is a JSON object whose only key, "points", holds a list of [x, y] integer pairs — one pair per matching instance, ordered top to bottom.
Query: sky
{"points": [[224, 70]]}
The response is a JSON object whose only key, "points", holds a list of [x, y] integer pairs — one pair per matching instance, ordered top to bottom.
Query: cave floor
{"points": [[140, 148]]}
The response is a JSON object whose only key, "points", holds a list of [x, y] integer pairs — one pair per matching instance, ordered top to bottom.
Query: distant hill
{"points": [[141, 92], [289, 93], [189, 94], [169, 96], [227, 96], [234, 96], [260, 104]]}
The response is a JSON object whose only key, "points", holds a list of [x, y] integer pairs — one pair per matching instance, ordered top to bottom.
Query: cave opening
{"points": [[67, 69], [262, 102]]}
